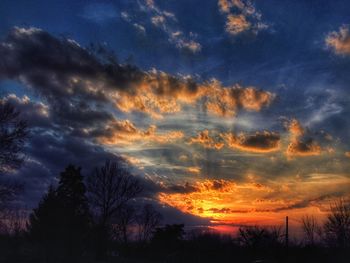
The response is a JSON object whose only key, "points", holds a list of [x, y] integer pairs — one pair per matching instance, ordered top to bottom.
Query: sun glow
{"points": [[251, 202]]}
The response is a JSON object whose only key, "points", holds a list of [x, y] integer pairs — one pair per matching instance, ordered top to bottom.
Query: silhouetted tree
{"points": [[13, 133], [110, 188], [8, 192], [147, 221], [122, 222], [60, 224], [44, 225], [337, 225], [311, 229], [169, 235], [256, 236], [168, 241]]}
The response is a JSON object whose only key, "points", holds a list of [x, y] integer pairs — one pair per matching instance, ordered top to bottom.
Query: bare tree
{"points": [[13, 133], [110, 188], [8, 192], [13, 221], [147, 221], [123, 222], [337, 225], [310, 228], [256, 236]]}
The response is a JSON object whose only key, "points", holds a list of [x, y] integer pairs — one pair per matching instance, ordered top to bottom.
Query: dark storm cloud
{"points": [[48, 63], [63, 74], [73, 79], [35, 113], [178, 188]]}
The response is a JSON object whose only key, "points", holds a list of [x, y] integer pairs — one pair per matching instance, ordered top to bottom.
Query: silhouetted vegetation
{"points": [[13, 133], [110, 188], [75, 223], [60, 224]]}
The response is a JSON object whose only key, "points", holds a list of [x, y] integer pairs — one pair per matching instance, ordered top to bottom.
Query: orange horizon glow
{"points": [[225, 202]]}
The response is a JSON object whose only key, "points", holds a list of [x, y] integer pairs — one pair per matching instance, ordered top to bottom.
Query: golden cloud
{"points": [[224, 6], [241, 16], [236, 24], [339, 42], [159, 93], [223, 101], [295, 128], [125, 132], [206, 141], [260, 142], [298, 145], [306, 148], [183, 157], [194, 169], [217, 199], [226, 201]]}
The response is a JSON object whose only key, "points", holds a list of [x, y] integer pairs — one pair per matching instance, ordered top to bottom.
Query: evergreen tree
{"points": [[61, 222]]}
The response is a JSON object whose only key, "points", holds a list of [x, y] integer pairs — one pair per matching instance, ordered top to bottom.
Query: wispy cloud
{"points": [[100, 12], [163, 20], [125, 132]]}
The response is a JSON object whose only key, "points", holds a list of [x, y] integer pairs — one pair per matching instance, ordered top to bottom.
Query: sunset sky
{"points": [[230, 112]]}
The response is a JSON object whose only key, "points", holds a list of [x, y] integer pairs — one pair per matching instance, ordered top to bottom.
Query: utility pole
{"points": [[287, 241]]}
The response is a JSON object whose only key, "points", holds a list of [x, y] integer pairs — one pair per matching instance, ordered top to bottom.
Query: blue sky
{"points": [[295, 53]]}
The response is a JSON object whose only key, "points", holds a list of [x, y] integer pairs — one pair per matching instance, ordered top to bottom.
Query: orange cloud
{"points": [[224, 6], [241, 16], [236, 24], [339, 42], [159, 93], [225, 101], [295, 128], [125, 132], [206, 141], [260, 142], [299, 146], [306, 148], [347, 154], [183, 157], [131, 160], [194, 170], [221, 200], [226, 201]]}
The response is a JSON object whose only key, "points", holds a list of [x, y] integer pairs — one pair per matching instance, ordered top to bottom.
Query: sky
{"points": [[230, 112]]}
